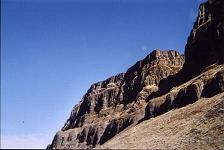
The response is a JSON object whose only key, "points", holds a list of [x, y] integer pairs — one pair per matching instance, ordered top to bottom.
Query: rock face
{"points": [[205, 44], [204, 52], [149, 72], [207, 84], [153, 86], [112, 105], [196, 126]]}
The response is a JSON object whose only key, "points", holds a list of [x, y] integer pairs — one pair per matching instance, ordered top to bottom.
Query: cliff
{"points": [[206, 41], [202, 75], [160, 84], [116, 103], [196, 126]]}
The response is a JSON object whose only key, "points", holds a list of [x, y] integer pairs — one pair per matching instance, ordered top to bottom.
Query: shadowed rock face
{"points": [[205, 44], [203, 52], [156, 66], [206, 85], [215, 85], [152, 86], [100, 96], [112, 105], [196, 126]]}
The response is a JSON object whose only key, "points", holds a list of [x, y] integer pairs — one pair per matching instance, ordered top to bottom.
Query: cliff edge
{"points": [[162, 87]]}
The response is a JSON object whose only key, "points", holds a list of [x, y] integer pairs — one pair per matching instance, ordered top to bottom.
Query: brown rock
{"points": [[205, 44], [214, 85], [119, 102], [112, 105]]}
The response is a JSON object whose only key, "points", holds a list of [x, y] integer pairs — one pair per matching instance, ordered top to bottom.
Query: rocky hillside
{"points": [[153, 86], [116, 103], [196, 126]]}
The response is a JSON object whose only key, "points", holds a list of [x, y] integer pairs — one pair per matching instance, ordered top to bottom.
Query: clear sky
{"points": [[53, 50]]}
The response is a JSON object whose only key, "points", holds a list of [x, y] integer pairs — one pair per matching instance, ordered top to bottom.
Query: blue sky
{"points": [[53, 50]]}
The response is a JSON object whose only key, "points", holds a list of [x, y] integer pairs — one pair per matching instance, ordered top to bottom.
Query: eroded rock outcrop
{"points": [[205, 44], [149, 71], [202, 73], [208, 84], [152, 86], [112, 105], [196, 126]]}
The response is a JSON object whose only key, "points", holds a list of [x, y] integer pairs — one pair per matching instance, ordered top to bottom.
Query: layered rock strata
{"points": [[205, 46], [204, 52], [151, 87], [112, 105], [196, 126]]}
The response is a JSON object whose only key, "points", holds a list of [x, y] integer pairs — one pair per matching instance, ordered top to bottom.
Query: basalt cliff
{"points": [[166, 100]]}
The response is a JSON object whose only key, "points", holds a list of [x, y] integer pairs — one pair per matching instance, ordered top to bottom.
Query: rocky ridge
{"points": [[206, 41], [202, 74], [151, 87], [114, 104]]}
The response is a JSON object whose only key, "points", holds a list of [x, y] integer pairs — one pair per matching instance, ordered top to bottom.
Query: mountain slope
{"points": [[158, 84], [116, 103], [200, 124], [196, 126]]}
